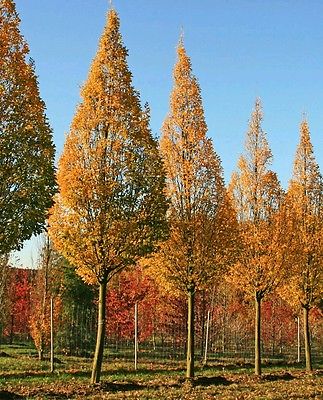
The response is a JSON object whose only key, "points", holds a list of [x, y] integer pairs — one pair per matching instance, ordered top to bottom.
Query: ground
{"points": [[24, 377]]}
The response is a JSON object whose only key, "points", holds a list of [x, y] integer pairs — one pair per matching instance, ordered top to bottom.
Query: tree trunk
{"points": [[203, 323], [11, 329], [190, 334], [257, 334], [298, 340], [307, 344], [41, 346], [98, 355]]}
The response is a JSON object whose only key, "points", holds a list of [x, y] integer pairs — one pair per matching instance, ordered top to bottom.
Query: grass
{"points": [[24, 377]]}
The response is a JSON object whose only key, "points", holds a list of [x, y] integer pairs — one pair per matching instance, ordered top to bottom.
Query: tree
{"points": [[27, 178], [257, 196], [305, 201], [111, 207], [199, 244], [45, 285], [19, 299], [4, 301], [75, 327]]}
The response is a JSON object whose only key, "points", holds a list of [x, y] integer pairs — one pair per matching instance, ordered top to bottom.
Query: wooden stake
{"points": [[136, 335]]}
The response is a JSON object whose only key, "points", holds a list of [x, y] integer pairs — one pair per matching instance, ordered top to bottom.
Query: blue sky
{"points": [[240, 49]]}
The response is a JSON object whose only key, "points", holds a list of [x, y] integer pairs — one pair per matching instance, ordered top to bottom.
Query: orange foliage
{"points": [[257, 197], [305, 204], [111, 206], [200, 215]]}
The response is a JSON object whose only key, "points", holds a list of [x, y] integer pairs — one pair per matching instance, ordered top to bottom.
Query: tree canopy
{"points": [[27, 176]]}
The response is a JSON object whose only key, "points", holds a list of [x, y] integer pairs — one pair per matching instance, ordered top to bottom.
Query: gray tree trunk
{"points": [[190, 334], [257, 334], [307, 340], [98, 355]]}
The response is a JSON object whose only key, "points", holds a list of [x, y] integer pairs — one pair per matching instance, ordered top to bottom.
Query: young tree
{"points": [[27, 179], [257, 196], [305, 199], [111, 207], [200, 242], [45, 285], [4, 300], [19, 300], [75, 334]]}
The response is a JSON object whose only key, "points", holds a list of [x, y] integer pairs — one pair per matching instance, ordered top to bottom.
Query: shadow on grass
{"points": [[286, 376], [211, 380], [5, 395]]}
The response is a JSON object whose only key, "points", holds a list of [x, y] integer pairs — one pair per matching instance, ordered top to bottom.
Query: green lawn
{"points": [[24, 377]]}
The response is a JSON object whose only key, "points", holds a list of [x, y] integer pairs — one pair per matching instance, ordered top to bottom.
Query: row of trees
{"points": [[126, 199], [223, 316]]}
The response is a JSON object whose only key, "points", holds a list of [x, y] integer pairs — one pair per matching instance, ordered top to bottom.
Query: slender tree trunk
{"points": [[203, 322], [11, 329], [190, 334], [257, 334], [51, 335], [136, 335], [207, 337], [298, 340], [307, 344], [41, 346], [98, 355]]}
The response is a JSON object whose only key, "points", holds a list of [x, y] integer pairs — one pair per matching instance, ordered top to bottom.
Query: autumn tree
{"points": [[27, 152], [257, 196], [305, 200], [111, 207], [199, 214], [45, 285], [4, 301], [19, 301]]}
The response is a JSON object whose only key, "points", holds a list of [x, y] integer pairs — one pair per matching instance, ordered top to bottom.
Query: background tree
{"points": [[27, 181], [257, 196], [305, 200], [111, 207], [199, 215], [45, 285], [18, 297], [4, 301], [75, 330]]}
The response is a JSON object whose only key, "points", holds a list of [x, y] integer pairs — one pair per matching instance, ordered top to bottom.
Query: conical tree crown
{"points": [[108, 92], [27, 151], [193, 170], [306, 185], [255, 189], [305, 202], [111, 206], [200, 216]]}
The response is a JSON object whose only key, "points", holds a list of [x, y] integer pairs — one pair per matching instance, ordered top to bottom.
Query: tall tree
{"points": [[27, 181], [257, 196], [305, 198], [111, 207], [199, 215]]}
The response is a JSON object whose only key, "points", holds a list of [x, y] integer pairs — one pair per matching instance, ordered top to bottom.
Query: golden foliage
{"points": [[257, 197], [305, 204], [111, 206], [200, 217]]}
